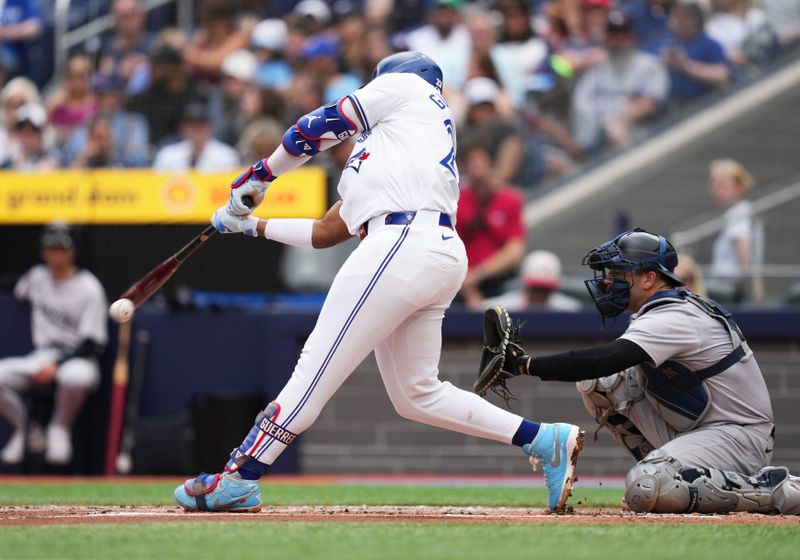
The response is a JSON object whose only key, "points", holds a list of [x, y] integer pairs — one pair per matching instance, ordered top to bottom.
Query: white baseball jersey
{"points": [[405, 158], [391, 294], [64, 312]]}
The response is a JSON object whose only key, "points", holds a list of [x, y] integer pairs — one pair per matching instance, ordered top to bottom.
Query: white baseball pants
{"points": [[390, 296], [74, 379]]}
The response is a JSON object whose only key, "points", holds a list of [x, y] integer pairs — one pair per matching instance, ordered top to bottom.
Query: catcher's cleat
{"points": [[503, 356], [556, 448], [219, 492]]}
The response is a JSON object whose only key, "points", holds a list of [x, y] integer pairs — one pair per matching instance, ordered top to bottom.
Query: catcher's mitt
{"points": [[501, 344]]}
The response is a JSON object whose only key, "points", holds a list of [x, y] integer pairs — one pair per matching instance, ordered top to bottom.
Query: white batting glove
{"points": [[247, 190], [224, 222]]}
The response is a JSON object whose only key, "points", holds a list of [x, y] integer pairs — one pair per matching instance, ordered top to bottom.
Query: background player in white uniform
{"points": [[399, 192], [69, 328], [680, 389]]}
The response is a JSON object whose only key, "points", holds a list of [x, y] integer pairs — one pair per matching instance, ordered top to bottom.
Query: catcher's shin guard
{"points": [[503, 356], [658, 484], [770, 490]]}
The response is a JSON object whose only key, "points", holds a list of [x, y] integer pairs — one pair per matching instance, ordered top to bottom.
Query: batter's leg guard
{"points": [[601, 399], [556, 447], [245, 457], [219, 492]]}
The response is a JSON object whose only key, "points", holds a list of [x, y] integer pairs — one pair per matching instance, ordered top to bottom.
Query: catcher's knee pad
{"points": [[607, 400], [655, 485], [770, 490]]}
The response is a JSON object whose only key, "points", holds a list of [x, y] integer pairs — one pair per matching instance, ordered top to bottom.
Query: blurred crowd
{"points": [[540, 85], [539, 88]]}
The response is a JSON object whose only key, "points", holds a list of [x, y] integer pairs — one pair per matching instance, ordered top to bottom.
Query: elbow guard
{"points": [[327, 123]]}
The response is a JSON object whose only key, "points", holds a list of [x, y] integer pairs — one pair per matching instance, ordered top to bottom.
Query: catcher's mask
{"points": [[629, 251]]}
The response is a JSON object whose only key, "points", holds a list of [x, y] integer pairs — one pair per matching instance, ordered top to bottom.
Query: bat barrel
{"points": [[151, 282]]}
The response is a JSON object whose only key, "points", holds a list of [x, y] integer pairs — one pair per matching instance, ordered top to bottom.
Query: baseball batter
{"points": [[399, 192], [68, 324], [680, 389]]}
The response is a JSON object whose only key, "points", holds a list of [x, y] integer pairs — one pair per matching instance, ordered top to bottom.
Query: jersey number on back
{"points": [[448, 161]]}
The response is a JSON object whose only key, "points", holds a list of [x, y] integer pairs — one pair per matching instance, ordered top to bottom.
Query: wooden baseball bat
{"points": [[149, 284], [119, 389], [124, 461]]}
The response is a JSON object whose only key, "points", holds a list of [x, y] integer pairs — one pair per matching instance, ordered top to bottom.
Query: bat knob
{"points": [[248, 201]]}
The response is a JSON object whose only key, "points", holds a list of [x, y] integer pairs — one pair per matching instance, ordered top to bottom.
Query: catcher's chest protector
{"points": [[679, 394]]}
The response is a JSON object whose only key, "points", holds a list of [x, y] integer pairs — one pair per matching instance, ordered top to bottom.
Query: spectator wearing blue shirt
{"points": [[650, 22], [20, 25], [124, 51], [697, 63], [115, 138]]}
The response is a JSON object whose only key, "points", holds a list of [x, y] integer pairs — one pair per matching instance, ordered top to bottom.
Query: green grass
{"points": [[154, 493], [241, 536], [402, 541]]}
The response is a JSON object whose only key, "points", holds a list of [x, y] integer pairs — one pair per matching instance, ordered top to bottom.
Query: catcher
{"points": [[680, 389]]}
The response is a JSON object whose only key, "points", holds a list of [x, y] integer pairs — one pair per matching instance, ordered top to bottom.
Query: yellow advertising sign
{"points": [[134, 196]]}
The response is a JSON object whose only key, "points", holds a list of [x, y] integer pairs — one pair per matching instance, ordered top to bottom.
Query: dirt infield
{"points": [[80, 515]]}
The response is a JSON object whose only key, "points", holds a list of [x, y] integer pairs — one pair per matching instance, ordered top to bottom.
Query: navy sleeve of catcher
{"points": [[589, 363]]}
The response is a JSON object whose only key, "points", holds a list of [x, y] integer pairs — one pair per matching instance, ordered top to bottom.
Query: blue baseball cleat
{"points": [[556, 447], [219, 492]]}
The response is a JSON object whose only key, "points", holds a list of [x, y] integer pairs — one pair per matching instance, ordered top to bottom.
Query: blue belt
{"points": [[403, 219]]}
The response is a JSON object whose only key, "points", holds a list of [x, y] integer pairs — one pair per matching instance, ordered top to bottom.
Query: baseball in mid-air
{"points": [[121, 310]]}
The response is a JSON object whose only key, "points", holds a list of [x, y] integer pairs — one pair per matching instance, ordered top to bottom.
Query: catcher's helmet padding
{"points": [[632, 250], [636, 250]]}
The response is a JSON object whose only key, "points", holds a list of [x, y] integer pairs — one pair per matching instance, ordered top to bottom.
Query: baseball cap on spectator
{"points": [[598, 4], [316, 9], [343, 9], [618, 22], [270, 34], [320, 46], [165, 54], [240, 65], [107, 83], [481, 90], [195, 111], [32, 114], [58, 234], [541, 269]]}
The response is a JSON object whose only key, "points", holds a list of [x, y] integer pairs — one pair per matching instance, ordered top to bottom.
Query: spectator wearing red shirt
{"points": [[490, 224]]}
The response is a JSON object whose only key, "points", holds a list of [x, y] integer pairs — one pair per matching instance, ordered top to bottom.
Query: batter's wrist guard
{"points": [[259, 172], [503, 356]]}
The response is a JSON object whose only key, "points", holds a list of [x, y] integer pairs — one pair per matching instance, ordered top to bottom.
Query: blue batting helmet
{"points": [[409, 62], [632, 250]]}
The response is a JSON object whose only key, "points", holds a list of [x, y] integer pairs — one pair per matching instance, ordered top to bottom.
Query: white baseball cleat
{"points": [[59, 445], [14, 449]]}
